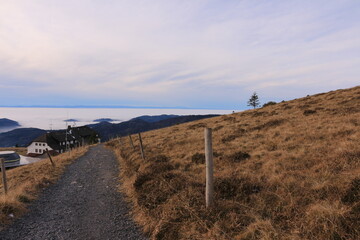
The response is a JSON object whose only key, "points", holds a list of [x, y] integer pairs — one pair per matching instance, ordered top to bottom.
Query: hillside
{"points": [[148, 118], [5, 123], [141, 124], [8, 125], [19, 137], [287, 171]]}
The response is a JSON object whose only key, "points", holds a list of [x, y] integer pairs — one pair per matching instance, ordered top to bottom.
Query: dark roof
{"points": [[84, 131], [62, 136], [41, 138], [49, 139], [53, 139], [52, 142]]}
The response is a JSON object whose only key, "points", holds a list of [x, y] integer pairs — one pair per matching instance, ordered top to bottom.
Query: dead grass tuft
{"points": [[309, 112], [270, 124], [196, 126], [238, 133], [239, 156], [160, 158], [198, 158], [236, 188], [352, 195], [325, 221], [260, 229]]}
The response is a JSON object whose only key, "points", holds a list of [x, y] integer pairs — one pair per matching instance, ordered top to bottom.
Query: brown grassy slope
{"points": [[288, 171], [25, 183]]}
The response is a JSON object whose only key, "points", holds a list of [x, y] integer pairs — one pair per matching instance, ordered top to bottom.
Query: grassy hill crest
{"points": [[286, 171]]}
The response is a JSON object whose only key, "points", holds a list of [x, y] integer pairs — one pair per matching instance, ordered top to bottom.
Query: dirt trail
{"points": [[83, 204]]}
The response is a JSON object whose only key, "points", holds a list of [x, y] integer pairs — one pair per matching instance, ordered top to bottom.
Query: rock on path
{"points": [[83, 204]]}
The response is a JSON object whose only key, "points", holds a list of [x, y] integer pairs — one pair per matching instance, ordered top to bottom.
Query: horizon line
{"points": [[110, 106]]}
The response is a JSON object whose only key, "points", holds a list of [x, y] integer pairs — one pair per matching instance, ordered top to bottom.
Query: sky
{"points": [[175, 53]]}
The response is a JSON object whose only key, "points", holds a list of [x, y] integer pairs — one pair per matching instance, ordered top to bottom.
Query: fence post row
{"points": [[131, 142], [141, 147], [3, 173], [209, 191]]}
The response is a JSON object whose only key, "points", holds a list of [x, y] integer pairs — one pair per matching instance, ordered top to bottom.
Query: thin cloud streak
{"points": [[176, 53]]}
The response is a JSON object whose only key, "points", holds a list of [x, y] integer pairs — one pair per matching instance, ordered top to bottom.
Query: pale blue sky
{"points": [[196, 54]]}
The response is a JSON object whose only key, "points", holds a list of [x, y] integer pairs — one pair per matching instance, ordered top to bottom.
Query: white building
{"points": [[60, 141], [54, 142], [38, 147]]}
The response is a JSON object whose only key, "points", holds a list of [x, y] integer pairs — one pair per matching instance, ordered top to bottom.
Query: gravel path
{"points": [[83, 204]]}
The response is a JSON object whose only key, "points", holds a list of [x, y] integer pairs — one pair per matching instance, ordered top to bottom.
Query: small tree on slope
{"points": [[254, 100]]}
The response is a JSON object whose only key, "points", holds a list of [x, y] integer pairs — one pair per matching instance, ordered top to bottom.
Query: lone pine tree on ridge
{"points": [[254, 100]]}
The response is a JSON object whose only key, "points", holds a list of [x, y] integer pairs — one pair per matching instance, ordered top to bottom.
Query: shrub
{"points": [[269, 103], [309, 112], [270, 124], [197, 125], [239, 156], [160, 158], [198, 158], [236, 188], [353, 193], [24, 199]]}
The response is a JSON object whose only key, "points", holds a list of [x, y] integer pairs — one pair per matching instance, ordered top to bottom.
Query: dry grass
{"points": [[19, 150], [287, 171], [26, 182]]}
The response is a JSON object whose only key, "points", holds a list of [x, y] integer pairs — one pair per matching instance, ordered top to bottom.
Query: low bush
{"points": [[269, 103], [239, 156], [198, 158]]}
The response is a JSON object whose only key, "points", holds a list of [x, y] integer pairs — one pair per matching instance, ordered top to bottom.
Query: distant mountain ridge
{"points": [[157, 118], [104, 120], [5, 123], [108, 130], [24, 136], [20, 137]]}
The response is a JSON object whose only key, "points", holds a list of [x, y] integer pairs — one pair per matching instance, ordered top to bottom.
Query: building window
{"points": [[35, 144], [36, 150], [39, 150]]}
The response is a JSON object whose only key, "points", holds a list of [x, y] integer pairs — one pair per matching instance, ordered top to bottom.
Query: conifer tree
{"points": [[254, 101]]}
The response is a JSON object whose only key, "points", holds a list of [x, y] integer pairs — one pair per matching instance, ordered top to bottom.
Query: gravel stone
{"points": [[83, 204]]}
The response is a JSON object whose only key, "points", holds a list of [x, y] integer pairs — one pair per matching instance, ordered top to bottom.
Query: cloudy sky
{"points": [[175, 53]]}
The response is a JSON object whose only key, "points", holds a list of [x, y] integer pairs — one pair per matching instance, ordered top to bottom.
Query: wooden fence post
{"points": [[131, 141], [141, 147], [52, 162], [3, 173], [209, 192]]}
